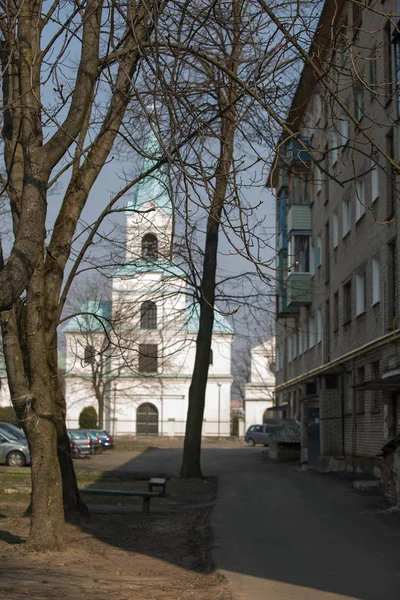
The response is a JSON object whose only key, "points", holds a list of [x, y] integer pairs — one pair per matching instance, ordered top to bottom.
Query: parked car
{"points": [[12, 430], [257, 434], [104, 438], [80, 443], [96, 444], [13, 452]]}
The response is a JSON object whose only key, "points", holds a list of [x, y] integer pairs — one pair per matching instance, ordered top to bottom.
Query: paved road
{"points": [[284, 534]]}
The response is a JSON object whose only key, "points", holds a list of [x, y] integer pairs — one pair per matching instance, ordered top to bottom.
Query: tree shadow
{"points": [[10, 538]]}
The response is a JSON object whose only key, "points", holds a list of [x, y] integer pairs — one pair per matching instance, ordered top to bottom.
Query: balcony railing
{"points": [[299, 218], [299, 289]]}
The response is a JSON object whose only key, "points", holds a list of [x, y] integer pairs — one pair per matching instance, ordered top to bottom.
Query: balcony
{"points": [[293, 152], [299, 218], [299, 289], [283, 310]]}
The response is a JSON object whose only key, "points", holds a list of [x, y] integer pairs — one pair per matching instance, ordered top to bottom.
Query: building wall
{"points": [[170, 397], [347, 428]]}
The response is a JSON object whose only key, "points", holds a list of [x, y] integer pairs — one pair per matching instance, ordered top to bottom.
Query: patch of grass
{"points": [[132, 445]]}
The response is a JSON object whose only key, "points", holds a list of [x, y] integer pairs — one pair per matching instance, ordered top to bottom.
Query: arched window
{"points": [[149, 246], [148, 315], [89, 355]]}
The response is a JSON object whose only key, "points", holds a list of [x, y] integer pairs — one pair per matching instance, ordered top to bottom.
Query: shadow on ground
{"points": [[280, 532]]}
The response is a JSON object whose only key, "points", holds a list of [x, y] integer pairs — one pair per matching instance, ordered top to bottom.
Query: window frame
{"points": [[360, 198], [376, 280], [361, 292], [347, 302], [148, 353]]}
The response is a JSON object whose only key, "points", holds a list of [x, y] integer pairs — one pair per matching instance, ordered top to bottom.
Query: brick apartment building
{"points": [[336, 185]]}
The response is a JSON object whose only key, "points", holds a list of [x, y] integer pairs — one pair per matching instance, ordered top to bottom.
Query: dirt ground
{"points": [[160, 556]]}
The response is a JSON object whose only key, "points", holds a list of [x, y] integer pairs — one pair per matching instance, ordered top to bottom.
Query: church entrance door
{"points": [[147, 419]]}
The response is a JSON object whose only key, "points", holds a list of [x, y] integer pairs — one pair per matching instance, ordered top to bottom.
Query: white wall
{"points": [[255, 411]]}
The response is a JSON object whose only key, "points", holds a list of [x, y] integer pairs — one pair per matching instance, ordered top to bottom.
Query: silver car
{"points": [[257, 434], [13, 452]]}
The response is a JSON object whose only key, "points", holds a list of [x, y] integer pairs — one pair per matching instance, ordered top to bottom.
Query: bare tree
{"points": [[76, 79]]}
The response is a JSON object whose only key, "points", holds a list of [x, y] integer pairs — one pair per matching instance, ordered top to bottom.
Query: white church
{"points": [[146, 334], [259, 391]]}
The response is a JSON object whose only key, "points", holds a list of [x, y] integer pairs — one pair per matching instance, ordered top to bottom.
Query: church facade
{"points": [[139, 347]]}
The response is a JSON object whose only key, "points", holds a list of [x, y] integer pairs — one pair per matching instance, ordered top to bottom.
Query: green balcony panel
{"points": [[299, 218], [299, 289]]}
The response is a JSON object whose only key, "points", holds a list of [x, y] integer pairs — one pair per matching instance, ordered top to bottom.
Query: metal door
{"points": [[147, 420], [313, 436]]}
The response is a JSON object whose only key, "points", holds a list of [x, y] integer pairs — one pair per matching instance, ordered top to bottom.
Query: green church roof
{"points": [[153, 187], [149, 266], [96, 316], [221, 324]]}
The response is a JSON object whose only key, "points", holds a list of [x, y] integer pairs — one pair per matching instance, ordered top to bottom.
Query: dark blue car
{"points": [[104, 438]]}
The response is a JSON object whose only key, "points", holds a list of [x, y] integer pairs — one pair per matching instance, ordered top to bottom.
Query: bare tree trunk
{"points": [[192, 447], [73, 504]]}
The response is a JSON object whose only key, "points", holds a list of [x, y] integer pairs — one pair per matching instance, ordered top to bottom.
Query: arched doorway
{"points": [[147, 419]]}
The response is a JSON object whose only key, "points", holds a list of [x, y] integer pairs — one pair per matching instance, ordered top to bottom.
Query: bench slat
{"points": [[120, 492]]}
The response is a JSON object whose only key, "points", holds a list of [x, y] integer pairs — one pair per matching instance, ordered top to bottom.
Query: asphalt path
{"points": [[285, 534]]}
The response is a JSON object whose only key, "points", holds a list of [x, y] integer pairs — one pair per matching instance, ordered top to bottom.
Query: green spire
{"points": [[154, 186]]}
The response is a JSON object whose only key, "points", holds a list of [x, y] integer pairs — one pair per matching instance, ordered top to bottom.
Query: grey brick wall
{"points": [[358, 432]]}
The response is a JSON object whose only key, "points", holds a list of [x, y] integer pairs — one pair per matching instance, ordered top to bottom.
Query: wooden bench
{"points": [[158, 482], [146, 495]]}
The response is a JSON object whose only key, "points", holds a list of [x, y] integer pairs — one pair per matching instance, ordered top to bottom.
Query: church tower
{"points": [[149, 215]]}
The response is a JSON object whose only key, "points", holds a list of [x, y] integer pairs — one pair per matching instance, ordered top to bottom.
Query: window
{"points": [[387, 62], [372, 73], [359, 102], [317, 108], [344, 129], [334, 155], [390, 177], [327, 178], [317, 179], [374, 181], [299, 190], [360, 198], [346, 217], [335, 230], [149, 246], [319, 251], [300, 253], [327, 254], [376, 281], [391, 283], [360, 293], [347, 303], [336, 311], [148, 315], [319, 326], [311, 332], [305, 336], [296, 344], [90, 353], [211, 357], [148, 358], [360, 393], [376, 397]]}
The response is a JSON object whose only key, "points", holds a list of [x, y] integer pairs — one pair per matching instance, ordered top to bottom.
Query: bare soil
{"points": [[160, 556]]}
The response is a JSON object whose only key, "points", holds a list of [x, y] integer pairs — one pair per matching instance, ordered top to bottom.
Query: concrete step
{"points": [[367, 485]]}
